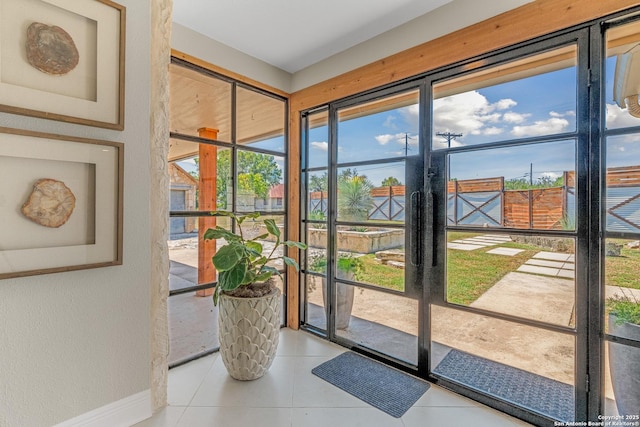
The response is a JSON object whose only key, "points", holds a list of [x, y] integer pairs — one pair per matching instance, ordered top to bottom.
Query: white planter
{"points": [[344, 298], [249, 331], [624, 364]]}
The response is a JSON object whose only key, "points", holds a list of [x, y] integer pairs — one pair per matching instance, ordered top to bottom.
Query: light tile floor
{"points": [[201, 393]]}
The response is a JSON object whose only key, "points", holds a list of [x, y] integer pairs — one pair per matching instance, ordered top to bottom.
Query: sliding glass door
{"points": [[364, 188]]}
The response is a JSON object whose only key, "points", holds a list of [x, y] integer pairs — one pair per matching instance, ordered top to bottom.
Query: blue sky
{"points": [[539, 105]]}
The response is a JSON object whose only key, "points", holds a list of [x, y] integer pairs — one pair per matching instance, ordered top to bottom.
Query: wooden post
{"points": [[206, 202]]}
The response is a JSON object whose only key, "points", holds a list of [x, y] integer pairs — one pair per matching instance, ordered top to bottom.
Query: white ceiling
{"points": [[294, 34]]}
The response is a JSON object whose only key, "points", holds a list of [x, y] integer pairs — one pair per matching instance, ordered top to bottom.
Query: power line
{"points": [[449, 136]]}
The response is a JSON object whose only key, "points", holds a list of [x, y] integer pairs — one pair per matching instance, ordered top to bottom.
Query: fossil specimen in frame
{"points": [[51, 49], [50, 204]]}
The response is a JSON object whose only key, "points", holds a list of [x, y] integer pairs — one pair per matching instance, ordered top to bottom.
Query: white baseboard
{"points": [[123, 413]]}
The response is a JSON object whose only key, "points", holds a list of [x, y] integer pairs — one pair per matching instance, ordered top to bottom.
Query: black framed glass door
{"points": [[363, 224], [508, 288]]}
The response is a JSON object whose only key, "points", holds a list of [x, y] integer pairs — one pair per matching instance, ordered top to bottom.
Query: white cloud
{"points": [[503, 104], [468, 113], [411, 114], [511, 117], [617, 117], [390, 122], [541, 127], [493, 131], [399, 138], [384, 139], [324, 145], [552, 175]]}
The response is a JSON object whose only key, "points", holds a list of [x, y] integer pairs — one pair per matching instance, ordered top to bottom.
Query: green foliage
{"points": [[256, 172], [390, 181], [544, 181], [318, 183], [354, 198], [317, 215], [241, 262], [346, 263], [625, 308]]}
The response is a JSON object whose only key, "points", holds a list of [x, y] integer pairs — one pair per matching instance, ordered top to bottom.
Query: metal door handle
{"points": [[415, 233]]}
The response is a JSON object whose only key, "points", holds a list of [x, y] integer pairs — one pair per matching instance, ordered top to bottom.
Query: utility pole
{"points": [[449, 137], [406, 143]]}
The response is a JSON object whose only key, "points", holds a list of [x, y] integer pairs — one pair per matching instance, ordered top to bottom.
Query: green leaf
{"points": [[224, 213], [253, 215], [272, 227], [217, 233], [261, 237], [298, 245], [255, 247], [227, 257], [260, 261], [290, 262], [269, 269], [264, 276], [249, 277], [230, 280], [216, 295]]}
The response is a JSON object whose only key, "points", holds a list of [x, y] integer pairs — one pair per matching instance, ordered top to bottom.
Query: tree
{"points": [[256, 172], [390, 181], [318, 183], [354, 198]]}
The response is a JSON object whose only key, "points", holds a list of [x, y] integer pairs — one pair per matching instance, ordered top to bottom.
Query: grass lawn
{"points": [[623, 270], [471, 273]]}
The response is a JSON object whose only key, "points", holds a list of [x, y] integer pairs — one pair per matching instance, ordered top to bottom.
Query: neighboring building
{"points": [[184, 191]]}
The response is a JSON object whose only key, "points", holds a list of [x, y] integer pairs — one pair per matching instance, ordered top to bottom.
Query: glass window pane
{"points": [[623, 76], [529, 97], [198, 100], [260, 120], [381, 129], [318, 134], [200, 178], [260, 180], [623, 183], [528, 187], [374, 192], [317, 197], [316, 253], [190, 256], [526, 276], [622, 287], [315, 302], [622, 319], [377, 320], [528, 366]]}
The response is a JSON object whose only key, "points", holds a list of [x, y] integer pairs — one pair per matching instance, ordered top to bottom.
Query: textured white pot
{"points": [[249, 331]]}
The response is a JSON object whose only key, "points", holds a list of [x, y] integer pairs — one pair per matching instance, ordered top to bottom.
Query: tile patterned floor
{"points": [[201, 393]]}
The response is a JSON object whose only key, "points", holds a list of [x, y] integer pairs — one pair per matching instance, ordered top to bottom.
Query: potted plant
{"points": [[347, 268], [249, 312], [624, 361]]}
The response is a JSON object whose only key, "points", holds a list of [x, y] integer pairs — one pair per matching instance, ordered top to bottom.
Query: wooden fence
{"points": [[485, 202]]}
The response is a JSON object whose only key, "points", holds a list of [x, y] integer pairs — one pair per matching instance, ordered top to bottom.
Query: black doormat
{"points": [[387, 389], [532, 391]]}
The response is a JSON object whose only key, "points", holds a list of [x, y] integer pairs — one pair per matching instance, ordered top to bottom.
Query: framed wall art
{"points": [[63, 60], [60, 203]]}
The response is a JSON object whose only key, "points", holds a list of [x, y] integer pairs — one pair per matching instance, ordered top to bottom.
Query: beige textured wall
{"points": [[159, 203], [73, 342]]}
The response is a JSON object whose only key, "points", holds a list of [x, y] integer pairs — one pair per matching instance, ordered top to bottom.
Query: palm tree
{"points": [[354, 198]]}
